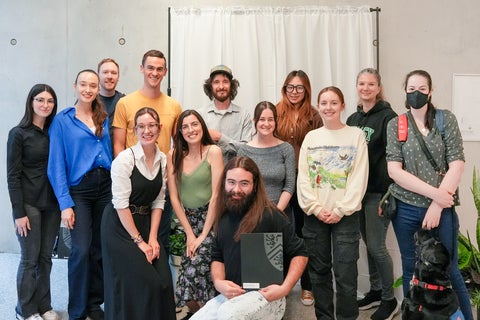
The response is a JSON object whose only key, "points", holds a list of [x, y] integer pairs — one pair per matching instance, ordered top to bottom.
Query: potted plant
{"points": [[177, 240], [468, 254], [475, 296]]}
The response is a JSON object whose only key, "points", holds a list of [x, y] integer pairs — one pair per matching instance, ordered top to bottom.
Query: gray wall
{"points": [[57, 38]]}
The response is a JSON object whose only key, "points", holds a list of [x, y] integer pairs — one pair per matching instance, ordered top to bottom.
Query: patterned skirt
{"points": [[194, 280]]}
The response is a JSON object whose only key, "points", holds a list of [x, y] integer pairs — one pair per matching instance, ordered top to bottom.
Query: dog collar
{"points": [[425, 285]]}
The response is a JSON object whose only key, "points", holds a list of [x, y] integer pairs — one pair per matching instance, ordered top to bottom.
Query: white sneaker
{"points": [[50, 315], [35, 316]]}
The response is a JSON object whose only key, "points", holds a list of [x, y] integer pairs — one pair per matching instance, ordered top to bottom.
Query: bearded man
{"points": [[227, 123], [243, 207]]}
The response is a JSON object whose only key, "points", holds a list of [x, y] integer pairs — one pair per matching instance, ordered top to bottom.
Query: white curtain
{"points": [[263, 44]]}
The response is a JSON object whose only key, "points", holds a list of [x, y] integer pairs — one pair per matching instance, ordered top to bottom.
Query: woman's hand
{"points": [[443, 198], [322, 216], [432, 216], [328, 217], [68, 218], [332, 218], [22, 226], [198, 241], [191, 245], [155, 247], [147, 250]]}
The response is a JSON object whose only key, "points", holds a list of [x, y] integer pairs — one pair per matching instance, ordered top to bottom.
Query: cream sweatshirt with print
{"points": [[332, 171]]}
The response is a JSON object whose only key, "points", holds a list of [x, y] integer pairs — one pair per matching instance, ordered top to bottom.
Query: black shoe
{"points": [[371, 299], [387, 310], [96, 314], [188, 316]]}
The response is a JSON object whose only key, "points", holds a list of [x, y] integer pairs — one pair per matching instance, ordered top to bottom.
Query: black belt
{"points": [[97, 170], [141, 210]]}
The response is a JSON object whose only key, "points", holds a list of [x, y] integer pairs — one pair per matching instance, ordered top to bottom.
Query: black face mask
{"points": [[416, 99]]}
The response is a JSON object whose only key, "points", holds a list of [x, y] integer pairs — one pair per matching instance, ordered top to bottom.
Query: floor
{"points": [[9, 263]]}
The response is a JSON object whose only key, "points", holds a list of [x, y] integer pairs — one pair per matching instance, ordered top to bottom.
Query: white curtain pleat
{"points": [[263, 44]]}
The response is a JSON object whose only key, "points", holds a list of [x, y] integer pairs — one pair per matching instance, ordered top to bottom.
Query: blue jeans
{"points": [[408, 220], [374, 232], [341, 241], [85, 272], [33, 274]]}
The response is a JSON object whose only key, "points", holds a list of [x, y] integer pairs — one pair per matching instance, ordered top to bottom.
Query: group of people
{"points": [[113, 168]]}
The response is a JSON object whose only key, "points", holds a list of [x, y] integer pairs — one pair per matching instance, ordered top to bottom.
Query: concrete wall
{"points": [[57, 38]]}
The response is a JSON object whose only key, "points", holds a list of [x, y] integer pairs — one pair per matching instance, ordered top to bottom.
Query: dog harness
{"points": [[428, 286]]}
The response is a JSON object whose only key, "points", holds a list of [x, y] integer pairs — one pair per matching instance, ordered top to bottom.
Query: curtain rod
{"points": [[376, 42]]}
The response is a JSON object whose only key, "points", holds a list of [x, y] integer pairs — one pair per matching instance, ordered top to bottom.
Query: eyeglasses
{"points": [[290, 87], [42, 101], [150, 126], [193, 126], [243, 184]]}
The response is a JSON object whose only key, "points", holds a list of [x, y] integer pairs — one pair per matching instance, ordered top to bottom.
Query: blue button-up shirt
{"points": [[74, 151]]}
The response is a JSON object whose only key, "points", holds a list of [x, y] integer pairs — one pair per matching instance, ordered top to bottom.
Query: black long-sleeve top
{"points": [[27, 158]]}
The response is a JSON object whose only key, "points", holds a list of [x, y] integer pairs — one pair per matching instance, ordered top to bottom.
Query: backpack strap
{"points": [[439, 122], [402, 133], [422, 144]]}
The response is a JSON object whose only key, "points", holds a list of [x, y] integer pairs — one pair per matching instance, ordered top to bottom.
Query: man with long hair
{"points": [[242, 206]]}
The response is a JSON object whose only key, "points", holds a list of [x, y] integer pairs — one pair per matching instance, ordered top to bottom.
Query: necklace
{"points": [[85, 119]]}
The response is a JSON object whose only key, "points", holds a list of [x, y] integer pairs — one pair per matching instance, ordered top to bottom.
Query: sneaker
{"points": [[307, 298], [371, 299], [387, 310], [50, 315], [35, 316]]}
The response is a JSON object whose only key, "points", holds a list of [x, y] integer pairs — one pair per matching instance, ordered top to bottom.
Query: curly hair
{"points": [[234, 84]]}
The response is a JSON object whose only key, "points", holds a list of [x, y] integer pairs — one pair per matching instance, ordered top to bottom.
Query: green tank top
{"points": [[195, 189]]}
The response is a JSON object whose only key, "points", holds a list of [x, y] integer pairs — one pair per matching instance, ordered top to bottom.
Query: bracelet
{"points": [[137, 239]]}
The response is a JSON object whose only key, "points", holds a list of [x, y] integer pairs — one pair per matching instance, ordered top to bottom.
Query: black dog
{"points": [[431, 295]]}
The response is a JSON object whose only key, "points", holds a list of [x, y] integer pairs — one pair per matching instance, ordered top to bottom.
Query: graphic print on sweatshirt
{"points": [[368, 133], [329, 166]]}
